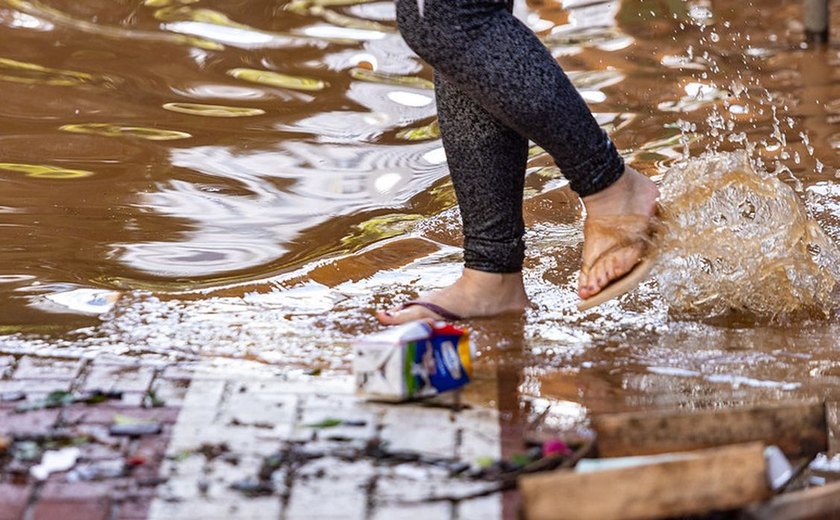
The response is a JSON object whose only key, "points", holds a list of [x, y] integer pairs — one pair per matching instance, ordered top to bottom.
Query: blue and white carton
{"points": [[412, 361]]}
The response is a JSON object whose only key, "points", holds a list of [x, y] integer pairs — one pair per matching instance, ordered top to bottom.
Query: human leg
{"points": [[494, 59], [487, 163]]}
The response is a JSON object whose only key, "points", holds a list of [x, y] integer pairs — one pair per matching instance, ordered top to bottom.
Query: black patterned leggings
{"points": [[497, 86]]}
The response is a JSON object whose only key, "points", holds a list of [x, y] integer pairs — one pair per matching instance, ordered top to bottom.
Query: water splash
{"points": [[737, 239]]}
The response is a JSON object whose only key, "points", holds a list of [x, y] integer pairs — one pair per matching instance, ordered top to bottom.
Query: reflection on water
{"points": [[253, 177]]}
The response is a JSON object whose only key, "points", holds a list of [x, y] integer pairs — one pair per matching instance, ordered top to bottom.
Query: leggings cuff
{"points": [[598, 172], [494, 256]]}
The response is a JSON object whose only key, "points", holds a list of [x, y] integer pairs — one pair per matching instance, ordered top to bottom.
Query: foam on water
{"points": [[737, 239]]}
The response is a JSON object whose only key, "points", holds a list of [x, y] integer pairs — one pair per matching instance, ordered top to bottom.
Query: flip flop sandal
{"points": [[630, 230], [437, 309]]}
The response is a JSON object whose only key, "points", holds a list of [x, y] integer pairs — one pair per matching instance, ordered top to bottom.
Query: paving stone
{"points": [[6, 366], [30, 367], [180, 371], [124, 377], [325, 386], [36, 388], [170, 391], [316, 409], [258, 410], [104, 413], [197, 413], [255, 414], [35, 422], [429, 431], [480, 435], [245, 440], [96, 450], [222, 473], [343, 482], [13, 501], [73, 501], [134, 507], [259, 508], [481, 508], [435, 510]]}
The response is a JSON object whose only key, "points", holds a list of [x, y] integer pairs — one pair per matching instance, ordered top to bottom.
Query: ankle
{"points": [[630, 193], [486, 278], [483, 284]]}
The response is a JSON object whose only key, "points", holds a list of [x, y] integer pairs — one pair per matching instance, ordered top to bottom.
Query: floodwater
{"points": [[209, 179]]}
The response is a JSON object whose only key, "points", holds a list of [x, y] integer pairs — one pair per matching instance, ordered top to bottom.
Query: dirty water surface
{"points": [[217, 180]]}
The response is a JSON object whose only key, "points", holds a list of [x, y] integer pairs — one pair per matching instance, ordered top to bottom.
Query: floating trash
{"points": [[276, 79], [112, 130], [45, 171], [87, 301], [412, 361], [333, 423], [126, 426], [55, 461], [101, 470]]}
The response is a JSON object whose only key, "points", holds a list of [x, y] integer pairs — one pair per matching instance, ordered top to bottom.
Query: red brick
{"points": [[104, 414], [36, 422], [61, 500], [13, 501], [134, 508], [93, 509]]}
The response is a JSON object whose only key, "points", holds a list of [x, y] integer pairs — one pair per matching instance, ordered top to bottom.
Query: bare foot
{"points": [[630, 202], [476, 294]]}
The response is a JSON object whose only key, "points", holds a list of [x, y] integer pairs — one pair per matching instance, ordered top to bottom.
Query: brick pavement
{"points": [[236, 441]]}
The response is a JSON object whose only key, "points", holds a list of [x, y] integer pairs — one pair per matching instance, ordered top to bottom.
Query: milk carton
{"points": [[412, 361]]}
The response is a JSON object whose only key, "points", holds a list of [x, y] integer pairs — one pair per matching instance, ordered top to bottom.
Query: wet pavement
{"points": [[204, 197], [233, 441]]}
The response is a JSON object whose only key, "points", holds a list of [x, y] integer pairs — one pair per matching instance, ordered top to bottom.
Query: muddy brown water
{"points": [[253, 177]]}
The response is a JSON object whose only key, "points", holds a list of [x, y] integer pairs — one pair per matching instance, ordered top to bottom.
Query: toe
{"points": [[583, 285]]}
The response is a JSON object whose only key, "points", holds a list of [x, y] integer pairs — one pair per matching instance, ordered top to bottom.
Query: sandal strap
{"points": [[626, 230], [437, 309]]}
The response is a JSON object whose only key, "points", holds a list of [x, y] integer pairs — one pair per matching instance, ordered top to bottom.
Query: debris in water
{"points": [[86, 301], [413, 360], [332, 423], [132, 427], [55, 461], [101, 470]]}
